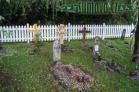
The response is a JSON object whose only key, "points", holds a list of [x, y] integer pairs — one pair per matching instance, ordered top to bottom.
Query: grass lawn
{"points": [[30, 73]]}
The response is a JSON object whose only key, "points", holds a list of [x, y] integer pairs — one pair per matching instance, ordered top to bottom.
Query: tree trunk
{"points": [[136, 45]]}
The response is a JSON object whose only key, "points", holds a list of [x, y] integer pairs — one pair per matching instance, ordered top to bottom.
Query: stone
{"points": [[84, 31], [61, 33], [123, 35], [97, 40], [110, 46], [87, 47], [96, 48], [66, 49], [3, 50], [56, 50], [35, 51], [100, 61], [109, 66], [116, 68], [70, 76], [134, 76]]}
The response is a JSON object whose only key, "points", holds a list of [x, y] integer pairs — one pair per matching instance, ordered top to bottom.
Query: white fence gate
{"points": [[21, 33]]}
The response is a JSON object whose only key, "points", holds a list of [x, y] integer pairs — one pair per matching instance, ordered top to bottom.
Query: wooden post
{"points": [[84, 31], [104, 31], [35, 32], [69, 32], [61, 33], [28, 34]]}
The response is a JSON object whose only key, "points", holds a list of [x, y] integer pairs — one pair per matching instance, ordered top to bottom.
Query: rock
{"points": [[110, 46], [87, 47], [66, 49], [3, 50], [35, 51]]}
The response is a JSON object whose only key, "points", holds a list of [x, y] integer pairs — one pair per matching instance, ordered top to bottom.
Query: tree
{"points": [[136, 45]]}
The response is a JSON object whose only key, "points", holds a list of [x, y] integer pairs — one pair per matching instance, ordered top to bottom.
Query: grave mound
{"points": [[110, 46], [87, 47], [66, 49], [3, 50], [35, 51], [109, 66], [70, 76], [134, 76]]}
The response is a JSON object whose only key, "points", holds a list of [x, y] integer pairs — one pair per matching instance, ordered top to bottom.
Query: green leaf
{"points": [[8, 1], [2, 18], [3, 30]]}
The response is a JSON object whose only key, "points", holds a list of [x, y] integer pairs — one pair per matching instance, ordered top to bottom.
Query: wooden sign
{"points": [[97, 7], [84, 31], [35, 32], [61, 33], [56, 50]]}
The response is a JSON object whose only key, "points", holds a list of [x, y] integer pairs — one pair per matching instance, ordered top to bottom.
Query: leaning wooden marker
{"points": [[84, 31], [35, 32], [61, 33], [123, 35]]}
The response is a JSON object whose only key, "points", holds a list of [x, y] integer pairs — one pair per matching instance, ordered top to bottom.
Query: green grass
{"points": [[31, 73]]}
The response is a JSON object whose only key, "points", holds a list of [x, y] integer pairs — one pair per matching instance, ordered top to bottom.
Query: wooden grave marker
{"points": [[84, 31], [35, 32], [61, 33], [123, 35], [56, 50]]}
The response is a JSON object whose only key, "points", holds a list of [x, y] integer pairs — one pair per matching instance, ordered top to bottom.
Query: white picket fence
{"points": [[21, 33]]}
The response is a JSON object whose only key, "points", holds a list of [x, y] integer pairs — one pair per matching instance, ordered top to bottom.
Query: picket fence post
{"points": [[69, 29], [104, 31], [28, 33], [1, 37]]}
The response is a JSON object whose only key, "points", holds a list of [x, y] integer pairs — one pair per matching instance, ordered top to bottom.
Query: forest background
{"points": [[21, 12]]}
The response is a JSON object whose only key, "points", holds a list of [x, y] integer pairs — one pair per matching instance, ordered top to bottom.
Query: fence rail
{"points": [[21, 33]]}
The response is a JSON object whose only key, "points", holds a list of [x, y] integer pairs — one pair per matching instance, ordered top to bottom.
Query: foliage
{"points": [[4, 11], [43, 12], [7, 34], [0, 44]]}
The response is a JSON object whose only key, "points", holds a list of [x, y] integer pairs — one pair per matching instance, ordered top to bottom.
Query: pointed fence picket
{"points": [[21, 33]]}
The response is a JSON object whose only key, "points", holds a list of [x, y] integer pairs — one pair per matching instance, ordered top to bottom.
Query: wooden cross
{"points": [[35, 32], [61, 33], [84, 33]]}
